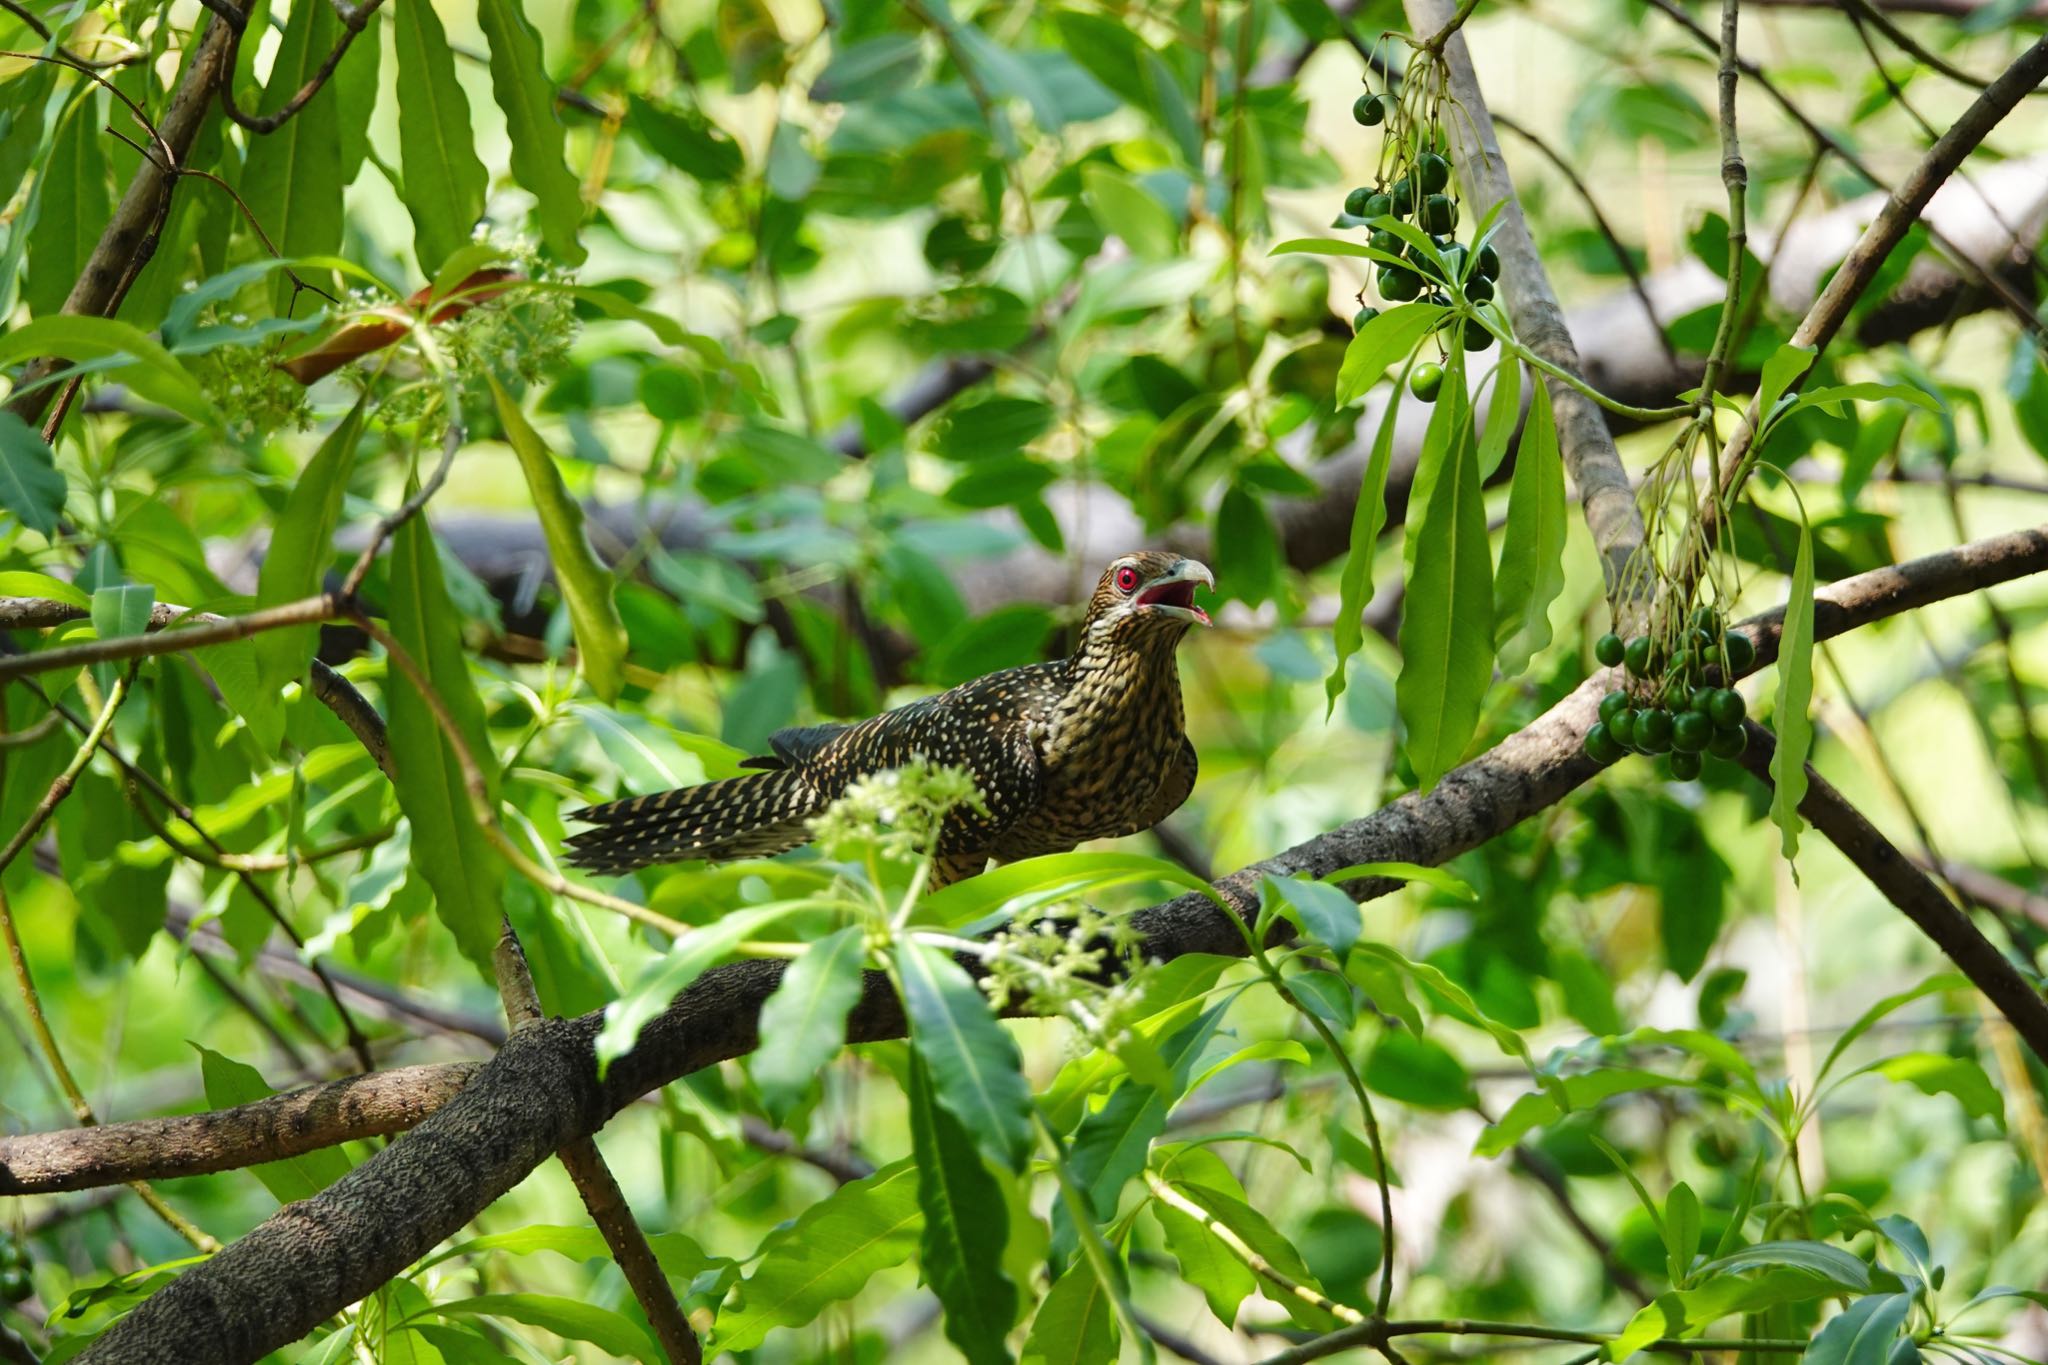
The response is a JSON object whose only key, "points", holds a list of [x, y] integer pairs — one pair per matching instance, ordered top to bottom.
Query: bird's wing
{"points": [[1173, 790]]}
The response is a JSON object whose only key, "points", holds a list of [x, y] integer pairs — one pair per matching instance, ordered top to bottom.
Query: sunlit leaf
{"points": [[1795, 695]]}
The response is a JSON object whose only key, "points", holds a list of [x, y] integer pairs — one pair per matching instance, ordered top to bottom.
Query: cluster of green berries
{"points": [[1420, 190], [1676, 706], [15, 1284]]}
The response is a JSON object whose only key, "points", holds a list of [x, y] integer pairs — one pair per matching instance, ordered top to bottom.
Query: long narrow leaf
{"points": [[1531, 571], [1354, 587], [1795, 694]]}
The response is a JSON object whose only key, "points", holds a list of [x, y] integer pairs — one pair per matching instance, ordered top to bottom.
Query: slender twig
{"points": [[353, 21], [42, 30], [1904, 41], [1436, 42], [1735, 177], [451, 442], [208, 630], [61, 786], [1166, 1194], [1368, 1333]]}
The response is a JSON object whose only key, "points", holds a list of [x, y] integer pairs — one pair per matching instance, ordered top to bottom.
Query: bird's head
{"points": [[1147, 596]]}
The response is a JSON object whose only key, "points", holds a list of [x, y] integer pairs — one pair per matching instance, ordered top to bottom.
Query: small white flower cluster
{"points": [[255, 398], [897, 812], [1058, 962]]}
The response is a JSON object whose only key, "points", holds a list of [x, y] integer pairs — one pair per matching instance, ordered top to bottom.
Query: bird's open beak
{"points": [[1173, 592]]}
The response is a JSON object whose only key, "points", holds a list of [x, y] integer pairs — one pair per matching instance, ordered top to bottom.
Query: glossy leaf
{"points": [[520, 84], [292, 179], [444, 179], [73, 206], [1381, 344], [119, 348], [30, 486], [299, 551], [1531, 573], [586, 585], [1355, 587], [1447, 619], [1795, 695], [449, 849], [1325, 913], [666, 977], [803, 1023], [975, 1068], [966, 1224], [824, 1257], [570, 1318], [1076, 1322], [1863, 1333]]}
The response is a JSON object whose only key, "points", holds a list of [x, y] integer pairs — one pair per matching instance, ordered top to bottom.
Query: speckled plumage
{"points": [[1089, 747]]}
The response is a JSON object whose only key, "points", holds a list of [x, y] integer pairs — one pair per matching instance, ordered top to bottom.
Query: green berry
{"points": [[1368, 110], [1433, 170], [1403, 197], [1355, 202], [1379, 205], [1439, 214], [1383, 240], [1457, 260], [1489, 262], [1399, 283], [1479, 289], [1363, 316], [1477, 338], [1426, 379], [1707, 619], [1609, 650], [1741, 652], [1637, 656], [1675, 695], [1699, 699], [1611, 705], [1727, 708], [1623, 727], [1653, 731], [1691, 732], [1728, 742], [1600, 746], [1684, 766], [15, 1284]]}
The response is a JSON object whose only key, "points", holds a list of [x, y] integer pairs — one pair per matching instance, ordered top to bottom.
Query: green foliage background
{"points": [[740, 229]]}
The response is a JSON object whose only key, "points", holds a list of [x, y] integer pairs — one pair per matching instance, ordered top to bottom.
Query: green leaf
{"points": [[881, 65], [520, 84], [355, 93], [687, 140], [292, 179], [444, 179], [73, 207], [1127, 209], [1382, 343], [121, 348], [1784, 367], [1833, 397], [1503, 410], [1002, 425], [30, 485], [1368, 516], [301, 547], [1532, 552], [21, 583], [586, 585], [120, 610], [1447, 618], [1795, 694], [449, 850], [1443, 881], [1029, 883], [1323, 912], [663, 979], [1945, 981], [803, 1023], [974, 1064], [1416, 1070], [1936, 1073], [229, 1083], [1538, 1108], [966, 1225], [1681, 1229], [1256, 1232], [677, 1255], [824, 1257], [1817, 1258], [1205, 1262], [571, 1318], [1076, 1322], [1862, 1334]]}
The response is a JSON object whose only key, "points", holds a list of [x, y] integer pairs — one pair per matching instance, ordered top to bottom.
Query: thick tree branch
{"points": [[1914, 893], [541, 1090]]}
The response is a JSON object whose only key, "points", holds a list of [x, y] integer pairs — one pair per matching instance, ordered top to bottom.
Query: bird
{"points": [[1092, 746]]}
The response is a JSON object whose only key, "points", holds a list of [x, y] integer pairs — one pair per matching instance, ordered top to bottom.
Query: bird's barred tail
{"points": [[752, 816]]}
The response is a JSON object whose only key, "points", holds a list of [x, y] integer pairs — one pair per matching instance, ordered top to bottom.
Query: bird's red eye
{"points": [[1126, 578]]}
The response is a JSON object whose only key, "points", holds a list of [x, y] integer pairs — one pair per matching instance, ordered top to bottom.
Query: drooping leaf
{"points": [[520, 84], [292, 179], [445, 181], [73, 206], [1380, 344], [119, 348], [1780, 372], [30, 485], [1368, 516], [300, 548], [1531, 573], [586, 585], [1447, 619], [1795, 694], [449, 849], [1325, 913], [661, 980], [803, 1023], [975, 1067], [1419, 1071], [1937, 1073], [229, 1083], [966, 1224], [824, 1257], [1817, 1258], [565, 1317], [1076, 1322], [1863, 1333]]}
